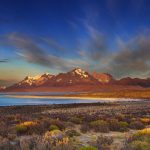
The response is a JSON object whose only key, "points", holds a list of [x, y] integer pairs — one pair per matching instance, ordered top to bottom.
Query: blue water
{"points": [[22, 98], [8, 99]]}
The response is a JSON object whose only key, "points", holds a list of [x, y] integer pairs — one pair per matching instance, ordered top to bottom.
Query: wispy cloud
{"points": [[54, 44], [97, 44], [29, 50], [133, 57], [130, 58], [4, 60]]}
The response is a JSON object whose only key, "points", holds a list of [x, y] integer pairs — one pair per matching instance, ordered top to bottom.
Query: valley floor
{"points": [[99, 126]]}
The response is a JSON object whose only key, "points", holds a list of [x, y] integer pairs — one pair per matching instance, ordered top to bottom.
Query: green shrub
{"points": [[120, 117], [76, 120], [146, 121], [60, 124], [114, 125], [136, 125], [100, 126], [123, 126], [26, 127], [53, 127], [84, 128], [20, 129], [72, 133], [139, 140], [103, 142], [140, 145], [68, 146], [88, 148]]}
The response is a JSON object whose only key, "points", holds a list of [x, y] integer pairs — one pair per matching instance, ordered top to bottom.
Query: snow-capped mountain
{"points": [[76, 76], [75, 80], [34, 81]]}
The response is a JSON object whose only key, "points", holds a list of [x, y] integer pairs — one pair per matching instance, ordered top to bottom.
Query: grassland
{"points": [[102, 126]]}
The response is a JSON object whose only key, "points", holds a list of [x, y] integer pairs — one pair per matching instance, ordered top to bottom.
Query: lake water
{"points": [[40, 98]]}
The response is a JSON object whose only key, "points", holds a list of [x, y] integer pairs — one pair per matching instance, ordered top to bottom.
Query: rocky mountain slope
{"points": [[103, 77], [77, 79], [133, 82]]}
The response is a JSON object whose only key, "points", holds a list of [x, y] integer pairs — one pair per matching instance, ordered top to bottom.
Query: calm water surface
{"points": [[10, 99]]}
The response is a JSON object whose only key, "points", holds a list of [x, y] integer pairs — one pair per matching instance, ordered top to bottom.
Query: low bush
{"points": [[120, 117], [76, 120], [146, 121], [60, 124], [114, 125], [137, 125], [100, 126], [123, 126], [26, 127], [53, 127], [84, 128], [3, 129], [20, 129], [72, 133], [141, 133], [53, 136], [139, 140], [103, 142], [139, 145], [67, 146], [88, 148]]}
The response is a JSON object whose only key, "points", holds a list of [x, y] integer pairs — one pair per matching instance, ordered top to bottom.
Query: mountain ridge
{"points": [[76, 78]]}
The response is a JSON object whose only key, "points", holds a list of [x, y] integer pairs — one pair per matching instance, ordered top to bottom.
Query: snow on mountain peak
{"points": [[81, 72], [46, 74], [36, 77], [30, 80], [36, 80]]}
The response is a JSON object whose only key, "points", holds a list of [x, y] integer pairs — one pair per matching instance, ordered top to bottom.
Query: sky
{"points": [[38, 36]]}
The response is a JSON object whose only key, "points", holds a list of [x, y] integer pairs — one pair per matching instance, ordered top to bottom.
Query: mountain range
{"points": [[76, 80]]}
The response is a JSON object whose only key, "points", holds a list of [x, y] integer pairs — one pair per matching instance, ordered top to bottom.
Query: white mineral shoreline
{"points": [[73, 97]]}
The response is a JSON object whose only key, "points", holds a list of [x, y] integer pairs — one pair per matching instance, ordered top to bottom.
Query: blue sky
{"points": [[40, 36]]}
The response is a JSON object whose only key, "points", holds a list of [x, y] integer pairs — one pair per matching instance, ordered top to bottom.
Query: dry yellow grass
{"points": [[145, 120], [29, 123], [143, 132]]}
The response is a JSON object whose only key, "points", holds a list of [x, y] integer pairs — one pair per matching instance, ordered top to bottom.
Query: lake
{"points": [[43, 98]]}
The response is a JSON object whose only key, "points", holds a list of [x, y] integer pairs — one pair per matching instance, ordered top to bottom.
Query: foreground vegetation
{"points": [[101, 126]]}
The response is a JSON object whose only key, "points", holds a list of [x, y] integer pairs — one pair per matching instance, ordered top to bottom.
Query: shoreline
{"points": [[76, 97], [82, 100]]}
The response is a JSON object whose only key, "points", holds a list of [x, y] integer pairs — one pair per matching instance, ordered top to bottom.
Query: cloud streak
{"points": [[52, 43], [95, 47], [29, 50], [133, 58], [4, 60]]}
